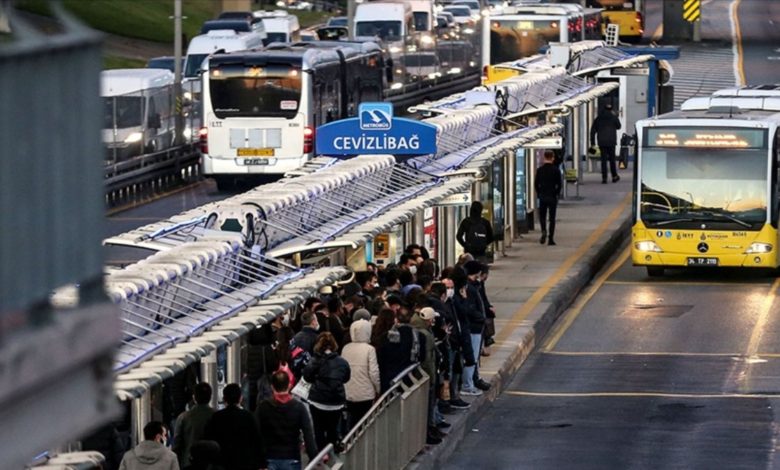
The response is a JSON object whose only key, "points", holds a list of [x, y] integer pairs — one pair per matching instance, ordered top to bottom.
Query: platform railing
{"points": [[390, 434]]}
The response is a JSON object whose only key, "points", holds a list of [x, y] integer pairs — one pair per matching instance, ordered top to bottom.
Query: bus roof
{"points": [[224, 39], [305, 54], [125, 81]]}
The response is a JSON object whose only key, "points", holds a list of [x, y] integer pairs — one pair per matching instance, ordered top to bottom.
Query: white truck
{"points": [[424, 22], [393, 23], [280, 26], [200, 47], [138, 111]]}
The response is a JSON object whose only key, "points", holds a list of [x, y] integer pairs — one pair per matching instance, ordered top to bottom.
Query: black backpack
{"points": [[476, 235]]}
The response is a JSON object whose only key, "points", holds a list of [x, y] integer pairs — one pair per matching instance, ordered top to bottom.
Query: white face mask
{"points": [[413, 269], [376, 284], [450, 292], [286, 319]]}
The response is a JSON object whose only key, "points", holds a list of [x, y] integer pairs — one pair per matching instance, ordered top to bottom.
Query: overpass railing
{"points": [[390, 434]]}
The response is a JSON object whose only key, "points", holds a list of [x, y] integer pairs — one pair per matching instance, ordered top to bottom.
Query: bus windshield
{"points": [[386, 30], [512, 39], [192, 66], [239, 90], [122, 112], [694, 185]]}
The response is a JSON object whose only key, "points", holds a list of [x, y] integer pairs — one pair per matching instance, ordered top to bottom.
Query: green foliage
{"points": [[142, 19], [114, 62]]}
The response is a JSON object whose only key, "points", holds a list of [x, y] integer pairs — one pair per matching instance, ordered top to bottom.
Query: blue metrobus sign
{"points": [[375, 132]]}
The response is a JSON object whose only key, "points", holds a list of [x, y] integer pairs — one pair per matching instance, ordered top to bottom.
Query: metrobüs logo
{"points": [[375, 116]]}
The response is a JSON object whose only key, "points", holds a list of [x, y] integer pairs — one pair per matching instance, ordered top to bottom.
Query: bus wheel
{"points": [[655, 271]]}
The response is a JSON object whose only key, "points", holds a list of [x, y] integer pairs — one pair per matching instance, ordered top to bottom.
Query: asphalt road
{"points": [[759, 22], [680, 372]]}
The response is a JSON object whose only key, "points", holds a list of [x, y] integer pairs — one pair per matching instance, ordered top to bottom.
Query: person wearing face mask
{"points": [[460, 339], [151, 453]]}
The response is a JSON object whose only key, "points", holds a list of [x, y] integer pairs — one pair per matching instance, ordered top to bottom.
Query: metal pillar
{"points": [[177, 46], [510, 198], [418, 235], [452, 244], [234, 362], [208, 374], [140, 414]]}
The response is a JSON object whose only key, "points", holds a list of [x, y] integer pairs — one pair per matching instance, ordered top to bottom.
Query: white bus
{"points": [[260, 109]]}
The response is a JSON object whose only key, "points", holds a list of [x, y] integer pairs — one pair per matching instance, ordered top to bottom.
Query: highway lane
{"points": [[759, 33], [678, 372]]}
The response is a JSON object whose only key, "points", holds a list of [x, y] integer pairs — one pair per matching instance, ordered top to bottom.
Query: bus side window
{"points": [[776, 179]]}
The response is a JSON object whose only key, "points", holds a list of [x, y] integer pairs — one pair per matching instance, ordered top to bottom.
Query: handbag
{"points": [[301, 389]]}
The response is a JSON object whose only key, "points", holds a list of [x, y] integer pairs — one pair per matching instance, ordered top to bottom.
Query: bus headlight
{"points": [[395, 49], [133, 138], [648, 246], [758, 247]]}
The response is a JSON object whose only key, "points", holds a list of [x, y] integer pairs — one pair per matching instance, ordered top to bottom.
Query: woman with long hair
{"points": [[327, 372]]}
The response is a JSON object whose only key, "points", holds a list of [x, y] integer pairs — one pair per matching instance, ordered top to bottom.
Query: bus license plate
{"points": [[249, 152], [253, 161], [698, 261]]}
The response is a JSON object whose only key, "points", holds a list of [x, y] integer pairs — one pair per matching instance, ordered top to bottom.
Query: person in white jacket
{"points": [[363, 385]]}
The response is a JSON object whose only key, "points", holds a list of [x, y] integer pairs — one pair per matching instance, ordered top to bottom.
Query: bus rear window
{"points": [[514, 39], [255, 90]]}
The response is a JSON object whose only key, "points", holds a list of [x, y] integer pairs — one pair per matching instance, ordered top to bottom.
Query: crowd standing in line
{"points": [[314, 374]]}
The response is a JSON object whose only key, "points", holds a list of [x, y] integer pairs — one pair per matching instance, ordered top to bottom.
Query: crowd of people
{"points": [[313, 374]]}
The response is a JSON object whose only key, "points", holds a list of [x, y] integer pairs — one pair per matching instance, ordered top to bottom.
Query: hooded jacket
{"points": [[475, 217], [399, 349], [429, 364], [363, 384], [149, 455]]}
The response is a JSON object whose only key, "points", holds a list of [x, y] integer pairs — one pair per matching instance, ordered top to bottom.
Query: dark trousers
{"points": [[608, 153], [547, 206], [356, 410], [326, 426]]}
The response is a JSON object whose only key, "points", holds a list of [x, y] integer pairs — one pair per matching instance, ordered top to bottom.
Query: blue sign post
{"points": [[376, 132]]}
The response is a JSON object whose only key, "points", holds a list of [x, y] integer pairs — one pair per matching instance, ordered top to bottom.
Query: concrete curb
{"points": [[543, 317]]}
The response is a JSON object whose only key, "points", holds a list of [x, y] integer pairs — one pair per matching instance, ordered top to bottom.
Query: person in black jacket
{"points": [[606, 126], [548, 187], [475, 233], [400, 347], [327, 372], [282, 419], [235, 430]]}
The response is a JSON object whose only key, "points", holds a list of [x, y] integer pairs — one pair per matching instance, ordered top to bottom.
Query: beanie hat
{"points": [[472, 267]]}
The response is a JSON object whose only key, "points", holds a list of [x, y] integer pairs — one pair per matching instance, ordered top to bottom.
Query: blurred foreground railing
{"points": [[390, 434]]}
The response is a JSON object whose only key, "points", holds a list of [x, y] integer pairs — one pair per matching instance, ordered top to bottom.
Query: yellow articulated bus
{"points": [[628, 15], [521, 30], [706, 186]]}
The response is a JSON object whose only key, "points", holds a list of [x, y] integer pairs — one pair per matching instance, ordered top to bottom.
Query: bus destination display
{"points": [[733, 138]]}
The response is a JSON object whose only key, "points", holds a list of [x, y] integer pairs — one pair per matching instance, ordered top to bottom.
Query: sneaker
{"points": [[615, 179], [603, 181], [543, 239], [551, 242], [482, 385], [474, 392], [459, 404], [445, 408], [443, 425], [435, 432], [432, 441]]}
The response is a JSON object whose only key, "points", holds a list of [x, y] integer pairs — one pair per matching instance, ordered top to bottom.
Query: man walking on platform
{"points": [[606, 126], [548, 187], [191, 424], [151, 453]]}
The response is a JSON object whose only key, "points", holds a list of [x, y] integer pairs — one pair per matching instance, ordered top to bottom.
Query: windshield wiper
{"points": [[708, 215], [671, 221]]}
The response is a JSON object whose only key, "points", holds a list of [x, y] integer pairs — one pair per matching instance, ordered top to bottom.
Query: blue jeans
{"points": [[283, 464]]}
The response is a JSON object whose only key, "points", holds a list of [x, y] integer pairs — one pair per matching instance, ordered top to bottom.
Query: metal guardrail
{"points": [[434, 89], [151, 172], [390, 434]]}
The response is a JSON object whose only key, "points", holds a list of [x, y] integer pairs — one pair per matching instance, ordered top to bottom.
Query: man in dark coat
{"points": [[605, 126], [548, 187], [475, 233], [402, 346], [191, 424], [235, 430]]}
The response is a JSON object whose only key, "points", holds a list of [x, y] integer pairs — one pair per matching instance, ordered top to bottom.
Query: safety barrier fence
{"points": [[390, 434]]}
